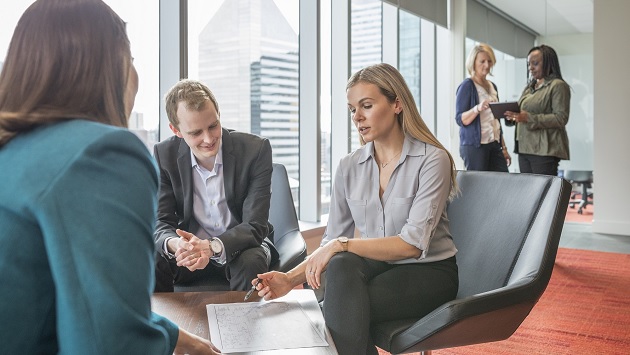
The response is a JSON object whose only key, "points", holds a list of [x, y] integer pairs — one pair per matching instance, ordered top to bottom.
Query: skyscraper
{"points": [[366, 33], [366, 39], [248, 56]]}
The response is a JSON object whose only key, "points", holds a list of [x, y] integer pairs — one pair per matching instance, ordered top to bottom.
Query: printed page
{"points": [[258, 326]]}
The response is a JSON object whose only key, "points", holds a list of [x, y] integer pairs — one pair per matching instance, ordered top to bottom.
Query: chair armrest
{"points": [[292, 250], [485, 317]]}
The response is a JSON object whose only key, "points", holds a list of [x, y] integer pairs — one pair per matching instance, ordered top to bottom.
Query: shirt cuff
{"points": [[165, 248]]}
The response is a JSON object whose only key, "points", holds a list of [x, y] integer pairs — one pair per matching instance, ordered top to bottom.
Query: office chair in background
{"points": [[583, 178]]}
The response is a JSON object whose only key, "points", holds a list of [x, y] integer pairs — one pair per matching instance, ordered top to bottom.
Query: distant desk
{"points": [[188, 310]]}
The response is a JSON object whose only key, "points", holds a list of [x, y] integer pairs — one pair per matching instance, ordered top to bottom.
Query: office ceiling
{"points": [[550, 17]]}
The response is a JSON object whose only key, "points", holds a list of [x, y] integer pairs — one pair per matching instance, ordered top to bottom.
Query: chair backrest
{"points": [[578, 175], [282, 213], [502, 225], [287, 237]]}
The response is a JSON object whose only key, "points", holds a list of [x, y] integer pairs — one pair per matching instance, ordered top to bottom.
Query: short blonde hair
{"points": [[472, 56], [193, 93]]}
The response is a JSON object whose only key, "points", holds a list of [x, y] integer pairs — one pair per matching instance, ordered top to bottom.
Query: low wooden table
{"points": [[188, 310]]}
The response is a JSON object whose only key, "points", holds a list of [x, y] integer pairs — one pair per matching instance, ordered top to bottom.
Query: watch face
{"points": [[344, 243], [216, 246]]}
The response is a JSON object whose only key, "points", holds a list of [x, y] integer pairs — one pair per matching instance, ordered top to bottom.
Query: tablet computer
{"points": [[499, 108]]}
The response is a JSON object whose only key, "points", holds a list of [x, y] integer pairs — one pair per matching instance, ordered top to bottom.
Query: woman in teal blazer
{"points": [[78, 196]]}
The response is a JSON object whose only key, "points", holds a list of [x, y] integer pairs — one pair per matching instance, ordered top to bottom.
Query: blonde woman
{"points": [[481, 143], [394, 191]]}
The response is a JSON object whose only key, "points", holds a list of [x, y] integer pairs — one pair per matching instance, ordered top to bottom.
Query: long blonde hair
{"points": [[392, 85]]}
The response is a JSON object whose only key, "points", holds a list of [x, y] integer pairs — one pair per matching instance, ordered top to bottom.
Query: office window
{"points": [[11, 12], [142, 25], [366, 40], [247, 53], [409, 60], [416, 62], [325, 95], [444, 108]]}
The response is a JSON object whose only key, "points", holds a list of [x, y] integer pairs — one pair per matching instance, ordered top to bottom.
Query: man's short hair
{"points": [[193, 93]]}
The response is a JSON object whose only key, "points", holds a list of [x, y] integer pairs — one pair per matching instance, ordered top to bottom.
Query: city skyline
{"points": [[248, 56]]}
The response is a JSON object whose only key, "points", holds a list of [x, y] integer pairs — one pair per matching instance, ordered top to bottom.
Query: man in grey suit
{"points": [[215, 191]]}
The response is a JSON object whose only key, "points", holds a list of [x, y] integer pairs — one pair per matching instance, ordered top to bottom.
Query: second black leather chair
{"points": [[507, 228]]}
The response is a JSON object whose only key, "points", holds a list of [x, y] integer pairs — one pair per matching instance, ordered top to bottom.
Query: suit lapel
{"points": [[184, 165]]}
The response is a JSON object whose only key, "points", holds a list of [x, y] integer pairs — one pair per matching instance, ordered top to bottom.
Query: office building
{"points": [[248, 55]]}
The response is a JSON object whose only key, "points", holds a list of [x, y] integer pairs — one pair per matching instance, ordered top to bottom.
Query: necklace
{"points": [[383, 165]]}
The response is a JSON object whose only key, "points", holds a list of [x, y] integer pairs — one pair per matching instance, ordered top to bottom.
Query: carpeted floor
{"points": [[585, 310]]}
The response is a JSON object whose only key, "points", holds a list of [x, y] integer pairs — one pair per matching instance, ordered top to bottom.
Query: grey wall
{"points": [[611, 79]]}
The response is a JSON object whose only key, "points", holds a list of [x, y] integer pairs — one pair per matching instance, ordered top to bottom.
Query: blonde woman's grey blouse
{"points": [[413, 206]]}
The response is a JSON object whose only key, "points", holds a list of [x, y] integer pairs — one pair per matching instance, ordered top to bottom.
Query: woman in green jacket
{"points": [[541, 136]]}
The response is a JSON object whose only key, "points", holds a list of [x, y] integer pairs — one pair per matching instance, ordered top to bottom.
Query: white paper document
{"points": [[258, 326]]}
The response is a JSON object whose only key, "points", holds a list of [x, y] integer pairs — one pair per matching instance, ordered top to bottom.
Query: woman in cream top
{"points": [[481, 143]]}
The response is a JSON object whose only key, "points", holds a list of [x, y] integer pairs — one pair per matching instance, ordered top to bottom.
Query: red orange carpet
{"points": [[585, 310]]}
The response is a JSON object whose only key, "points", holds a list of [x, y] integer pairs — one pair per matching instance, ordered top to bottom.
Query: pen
{"points": [[249, 293]]}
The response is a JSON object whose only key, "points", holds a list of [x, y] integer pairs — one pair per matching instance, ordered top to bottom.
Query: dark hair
{"points": [[68, 59], [551, 64]]}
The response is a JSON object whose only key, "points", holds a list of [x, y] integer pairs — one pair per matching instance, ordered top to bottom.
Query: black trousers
{"points": [[488, 157], [537, 164], [239, 272], [362, 291]]}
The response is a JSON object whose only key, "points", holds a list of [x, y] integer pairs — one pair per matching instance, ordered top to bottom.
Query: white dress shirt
{"points": [[210, 207]]}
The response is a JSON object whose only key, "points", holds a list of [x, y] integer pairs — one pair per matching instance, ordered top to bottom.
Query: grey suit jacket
{"points": [[247, 168]]}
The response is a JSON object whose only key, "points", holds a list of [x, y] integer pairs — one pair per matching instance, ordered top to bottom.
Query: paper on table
{"points": [[257, 326]]}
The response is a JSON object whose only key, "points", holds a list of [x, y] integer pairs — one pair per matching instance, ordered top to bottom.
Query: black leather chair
{"points": [[583, 178], [507, 228], [287, 236], [288, 239]]}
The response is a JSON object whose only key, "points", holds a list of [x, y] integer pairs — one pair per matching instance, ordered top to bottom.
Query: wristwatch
{"points": [[344, 243], [216, 246]]}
